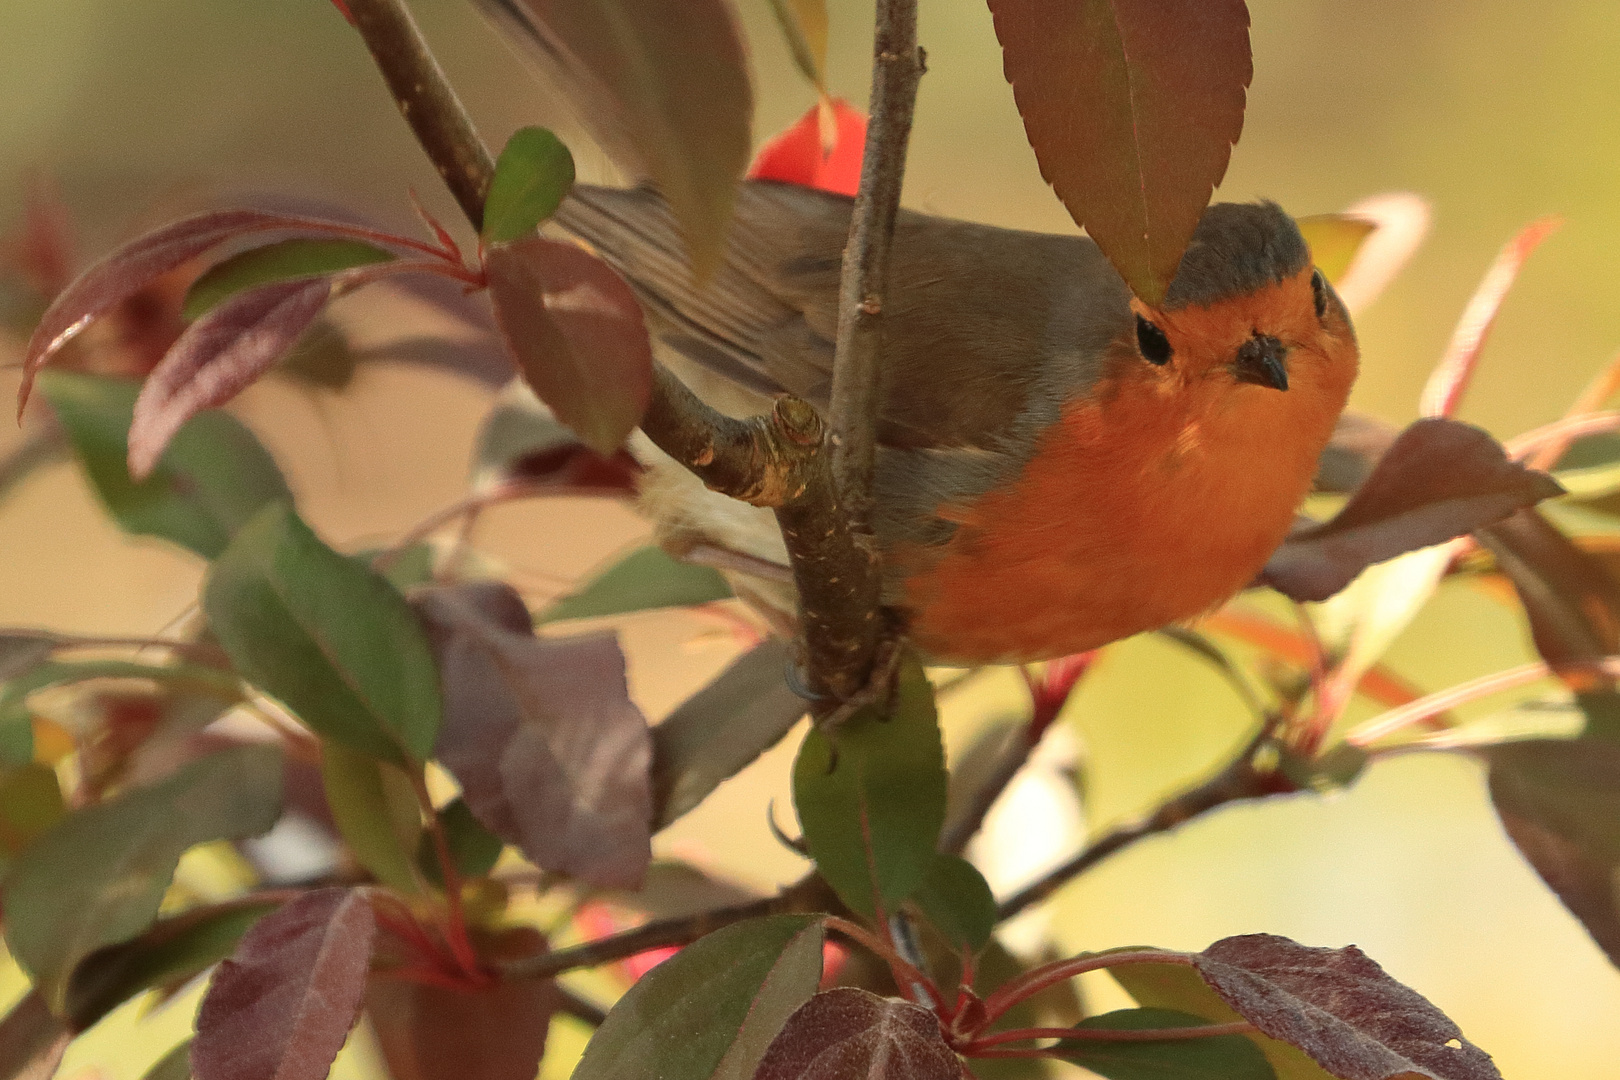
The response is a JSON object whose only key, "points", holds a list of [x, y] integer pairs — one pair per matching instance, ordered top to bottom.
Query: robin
{"points": [[1060, 465]]}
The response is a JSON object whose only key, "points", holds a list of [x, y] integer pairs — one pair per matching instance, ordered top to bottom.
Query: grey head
{"points": [[1236, 249]]}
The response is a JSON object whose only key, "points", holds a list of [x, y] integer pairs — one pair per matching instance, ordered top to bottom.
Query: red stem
{"points": [[456, 931], [904, 973], [1033, 982], [1196, 1031]]}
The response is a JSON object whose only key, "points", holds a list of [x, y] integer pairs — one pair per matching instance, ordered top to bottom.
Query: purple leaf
{"points": [[1132, 107], [126, 271], [576, 332], [216, 357], [1440, 479], [551, 753], [1559, 802], [282, 1006], [1339, 1007], [850, 1034]]}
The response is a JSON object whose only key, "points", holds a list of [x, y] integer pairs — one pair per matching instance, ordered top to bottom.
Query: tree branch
{"points": [[1240, 780]]}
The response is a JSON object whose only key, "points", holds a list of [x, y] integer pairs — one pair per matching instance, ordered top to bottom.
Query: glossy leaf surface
{"points": [[329, 637]]}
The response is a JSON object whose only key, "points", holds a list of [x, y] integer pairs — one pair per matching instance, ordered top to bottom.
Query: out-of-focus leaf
{"points": [[804, 25], [663, 86], [1132, 107], [800, 156], [533, 174], [1400, 220], [1334, 240], [285, 260], [127, 270], [576, 332], [216, 357], [1450, 377], [521, 440], [1358, 442], [213, 477], [1439, 480], [647, 579], [1573, 605], [326, 635], [20, 651], [721, 729], [550, 752], [871, 797], [30, 803], [1560, 803], [374, 805], [473, 848], [97, 877], [674, 890], [957, 900], [173, 950], [281, 1007], [1341, 1009], [710, 1011], [497, 1032], [856, 1035], [32, 1039], [1222, 1057], [175, 1065]]}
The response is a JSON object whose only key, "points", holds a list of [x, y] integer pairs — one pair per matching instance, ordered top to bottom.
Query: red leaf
{"points": [[344, 8], [1132, 107], [800, 155], [124, 272], [576, 331], [216, 357], [1450, 376], [1438, 480], [551, 753], [282, 1006], [1339, 1007], [495, 1032], [851, 1034]]}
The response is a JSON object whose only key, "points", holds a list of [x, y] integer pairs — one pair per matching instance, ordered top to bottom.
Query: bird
{"points": [[1060, 465]]}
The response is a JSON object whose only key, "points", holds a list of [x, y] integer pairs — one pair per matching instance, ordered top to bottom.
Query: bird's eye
{"points": [[1319, 292], [1151, 340]]}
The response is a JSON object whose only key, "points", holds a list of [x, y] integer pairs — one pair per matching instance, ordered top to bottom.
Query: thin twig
{"points": [[1238, 781], [572, 1004]]}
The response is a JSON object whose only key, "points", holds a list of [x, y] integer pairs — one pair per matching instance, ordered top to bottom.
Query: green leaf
{"points": [[532, 176], [1334, 240], [284, 260], [213, 477], [644, 580], [330, 638], [720, 730], [16, 736], [871, 798], [30, 804], [375, 807], [473, 847], [97, 878], [958, 901], [172, 951], [1180, 988], [709, 1011], [1220, 1057], [175, 1065]]}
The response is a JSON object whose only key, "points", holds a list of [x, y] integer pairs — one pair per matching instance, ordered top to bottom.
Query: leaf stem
{"points": [[456, 932], [906, 974], [1033, 982], [1196, 1031]]}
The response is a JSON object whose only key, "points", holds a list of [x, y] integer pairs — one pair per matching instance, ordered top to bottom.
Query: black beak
{"points": [[1260, 361]]}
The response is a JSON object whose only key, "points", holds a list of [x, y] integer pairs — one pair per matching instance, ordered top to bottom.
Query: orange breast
{"points": [[1147, 504]]}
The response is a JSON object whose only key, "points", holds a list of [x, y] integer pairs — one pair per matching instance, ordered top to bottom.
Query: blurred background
{"points": [[1496, 111]]}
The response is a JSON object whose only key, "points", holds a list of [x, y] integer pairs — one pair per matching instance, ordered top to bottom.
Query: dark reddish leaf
{"points": [[344, 8], [663, 86], [1132, 107], [801, 156], [126, 271], [576, 331], [216, 357], [1358, 442], [1440, 479], [1573, 604], [551, 753], [1560, 803], [281, 1007], [1339, 1007], [496, 1032], [850, 1034], [32, 1039]]}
